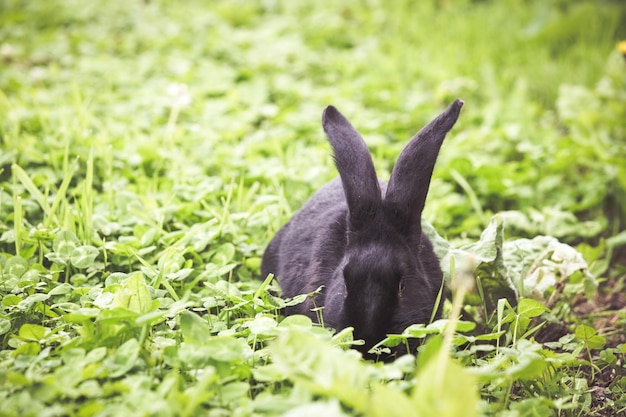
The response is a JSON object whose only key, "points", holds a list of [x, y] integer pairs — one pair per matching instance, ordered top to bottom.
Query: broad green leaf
{"points": [[490, 243], [64, 244], [223, 254], [83, 256], [57, 258], [482, 259], [171, 260], [253, 263], [537, 264], [15, 265], [214, 271], [180, 275], [32, 276], [493, 278], [61, 289], [134, 294], [11, 300], [29, 301], [527, 307], [78, 315], [296, 320], [5, 325], [262, 326], [460, 326], [195, 330], [420, 330], [32, 332], [584, 332], [490, 336], [345, 337], [590, 337], [392, 341], [216, 348], [28, 349], [429, 351], [96, 355], [73, 356], [124, 358], [530, 366], [321, 368], [235, 391], [447, 392], [387, 401], [534, 407], [317, 409]]}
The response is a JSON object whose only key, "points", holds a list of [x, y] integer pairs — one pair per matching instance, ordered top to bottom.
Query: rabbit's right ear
{"points": [[355, 167], [410, 177]]}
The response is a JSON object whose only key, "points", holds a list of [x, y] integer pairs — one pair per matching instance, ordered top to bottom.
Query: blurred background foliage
{"points": [[542, 132]]}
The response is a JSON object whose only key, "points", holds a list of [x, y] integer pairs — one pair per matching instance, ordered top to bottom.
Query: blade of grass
{"points": [[32, 189], [60, 195], [474, 201], [86, 202], [17, 224]]}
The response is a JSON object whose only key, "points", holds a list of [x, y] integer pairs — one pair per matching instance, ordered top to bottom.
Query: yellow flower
{"points": [[621, 47]]}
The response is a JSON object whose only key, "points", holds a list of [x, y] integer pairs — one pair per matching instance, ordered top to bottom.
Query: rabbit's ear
{"points": [[355, 167], [410, 177]]}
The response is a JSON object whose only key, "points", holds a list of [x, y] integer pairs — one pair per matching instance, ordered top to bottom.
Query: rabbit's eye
{"points": [[400, 288]]}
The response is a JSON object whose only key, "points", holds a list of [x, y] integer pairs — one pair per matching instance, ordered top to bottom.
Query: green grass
{"points": [[149, 150]]}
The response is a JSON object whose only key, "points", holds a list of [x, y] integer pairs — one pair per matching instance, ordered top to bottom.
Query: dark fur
{"points": [[362, 239]]}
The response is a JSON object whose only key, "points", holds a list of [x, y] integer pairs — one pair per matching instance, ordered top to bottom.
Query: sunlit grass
{"points": [[150, 150]]}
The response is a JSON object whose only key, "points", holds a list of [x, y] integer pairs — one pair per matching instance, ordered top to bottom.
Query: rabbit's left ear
{"points": [[355, 166], [410, 177]]}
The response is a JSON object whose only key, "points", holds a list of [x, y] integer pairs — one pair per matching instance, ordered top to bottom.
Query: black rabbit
{"points": [[361, 239]]}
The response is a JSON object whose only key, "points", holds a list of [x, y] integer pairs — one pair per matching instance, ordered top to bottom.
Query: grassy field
{"points": [[149, 150]]}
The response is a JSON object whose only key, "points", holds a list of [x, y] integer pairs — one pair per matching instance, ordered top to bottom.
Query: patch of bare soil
{"points": [[607, 313]]}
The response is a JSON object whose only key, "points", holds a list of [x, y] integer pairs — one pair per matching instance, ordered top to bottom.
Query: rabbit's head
{"points": [[387, 258], [375, 266]]}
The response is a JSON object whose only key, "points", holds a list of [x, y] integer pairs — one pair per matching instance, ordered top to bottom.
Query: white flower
{"points": [[7, 51], [38, 73], [178, 95]]}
